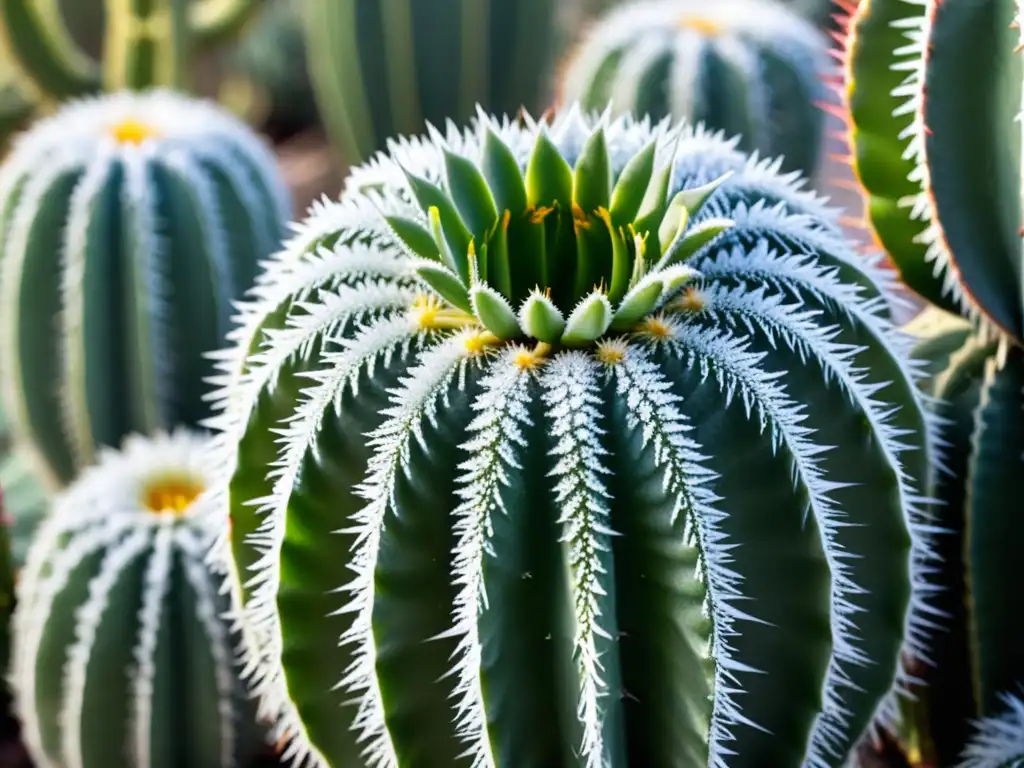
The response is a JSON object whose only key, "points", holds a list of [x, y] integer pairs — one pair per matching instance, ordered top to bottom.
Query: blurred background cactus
{"points": [[144, 44], [751, 68], [381, 70], [267, 78], [925, 82], [131, 222], [122, 656]]}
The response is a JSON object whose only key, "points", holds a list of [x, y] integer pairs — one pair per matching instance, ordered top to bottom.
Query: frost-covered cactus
{"points": [[752, 68], [382, 70], [926, 79], [129, 225], [588, 452], [121, 653]]}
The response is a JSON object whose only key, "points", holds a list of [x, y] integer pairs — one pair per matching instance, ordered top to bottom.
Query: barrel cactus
{"points": [[752, 68], [383, 70], [925, 80], [130, 223], [526, 443], [121, 655]]}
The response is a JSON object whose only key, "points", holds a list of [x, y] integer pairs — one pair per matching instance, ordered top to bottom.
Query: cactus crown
{"points": [[555, 253]]}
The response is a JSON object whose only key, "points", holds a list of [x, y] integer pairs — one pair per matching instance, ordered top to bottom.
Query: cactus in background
{"points": [[146, 43], [750, 68], [383, 70], [268, 78], [926, 79], [130, 224], [593, 444], [121, 655]]}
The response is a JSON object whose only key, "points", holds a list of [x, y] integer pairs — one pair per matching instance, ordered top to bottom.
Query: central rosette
{"points": [[559, 254]]}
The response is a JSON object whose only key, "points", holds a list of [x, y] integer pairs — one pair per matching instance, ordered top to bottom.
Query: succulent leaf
{"points": [[588, 321]]}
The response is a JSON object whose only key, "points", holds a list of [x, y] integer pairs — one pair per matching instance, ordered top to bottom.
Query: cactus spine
{"points": [[147, 43], [752, 69], [381, 70], [925, 80], [130, 224], [596, 520], [121, 654]]}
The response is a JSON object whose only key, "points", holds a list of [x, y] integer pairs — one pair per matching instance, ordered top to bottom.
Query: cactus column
{"points": [[147, 43], [383, 69], [935, 95]]}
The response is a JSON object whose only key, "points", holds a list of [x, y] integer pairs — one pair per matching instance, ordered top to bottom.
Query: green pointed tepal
{"points": [[751, 68], [129, 225], [459, 534], [122, 655]]}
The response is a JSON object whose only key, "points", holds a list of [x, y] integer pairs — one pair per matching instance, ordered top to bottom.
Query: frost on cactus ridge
{"points": [[752, 68], [130, 224], [438, 421], [120, 649]]}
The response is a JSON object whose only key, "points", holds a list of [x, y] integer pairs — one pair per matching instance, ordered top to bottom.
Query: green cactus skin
{"points": [[147, 43], [752, 69], [383, 70], [947, 208], [949, 216], [130, 223], [424, 496], [121, 655], [977, 667]]}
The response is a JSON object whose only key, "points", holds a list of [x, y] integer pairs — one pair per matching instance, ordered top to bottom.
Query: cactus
{"points": [[147, 43], [751, 68], [380, 71], [925, 80], [131, 222], [537, 421], [121, 655]]}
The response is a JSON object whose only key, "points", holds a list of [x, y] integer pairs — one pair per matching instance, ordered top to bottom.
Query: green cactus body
{"points": [[147, 42], [753, 69], [383, 70], [925, 80], [128, 224], [528, 461], [121, 655]]}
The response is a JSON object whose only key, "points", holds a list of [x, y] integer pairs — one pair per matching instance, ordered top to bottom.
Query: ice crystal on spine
{"points": [[395, 280]]}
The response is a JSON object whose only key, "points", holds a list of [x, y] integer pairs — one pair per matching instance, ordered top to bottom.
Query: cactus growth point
{"points": [[752, 68], [380, 71], [924, 81], [130, 223], [581, 444], [121, 655]]}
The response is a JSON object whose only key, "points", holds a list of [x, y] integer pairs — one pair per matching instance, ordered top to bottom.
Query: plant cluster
{"points": [[583, 437]]}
